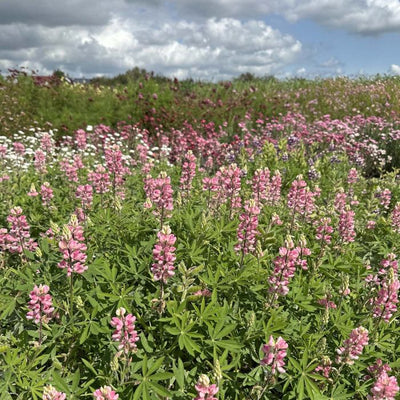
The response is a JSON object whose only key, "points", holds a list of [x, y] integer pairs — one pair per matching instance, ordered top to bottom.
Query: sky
{"points": [[202, 39]]}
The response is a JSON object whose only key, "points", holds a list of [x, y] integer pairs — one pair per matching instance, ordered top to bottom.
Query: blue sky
{"points": [[203, 39]]}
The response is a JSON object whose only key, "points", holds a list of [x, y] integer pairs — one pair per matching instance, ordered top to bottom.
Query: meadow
{"points": [[185, 240]]}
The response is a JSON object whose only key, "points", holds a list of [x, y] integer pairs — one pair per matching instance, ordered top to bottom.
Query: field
{"points": [[185, 240]]}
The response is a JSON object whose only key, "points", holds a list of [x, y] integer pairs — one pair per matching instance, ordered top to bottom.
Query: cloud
{"points": [[55, 13], [365, 17], [210, 49], [395, 69]]}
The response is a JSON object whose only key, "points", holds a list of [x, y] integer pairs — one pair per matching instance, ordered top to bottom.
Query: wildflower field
{"points": [[229, 241]]}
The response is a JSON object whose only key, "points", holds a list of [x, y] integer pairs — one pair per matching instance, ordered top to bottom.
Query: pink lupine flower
{"points": [[80, 139], [46, 143], [19, 148], [3, 151], [40, 162], [78, 162], [209, 163], [116, 166], [70, 169], [188, 173], [352, 176], [4, 178], [100, 179], [229, 179], [210, 184], [261, 185], [274, 190], [32, 191], [46, 193], [159, 193], [85, 194], [384, 197], [300, 198], [340, 201], [80, 215], [396, 218], [276, 220], [371, 224], [346, 226], [247, 229], [324, 230], [18, 238], [3, 239], [73, 248], [303, 251], [164, 255], [388, 262], [284, 269], [385, 286], [204, 293], [325, 302], [385, 303], [40, 304], [124, 332], [353, 346], [275, 352], [325, 367], [377, 368], [385, 387], [205, 391], [50, 393], [105, 393]]}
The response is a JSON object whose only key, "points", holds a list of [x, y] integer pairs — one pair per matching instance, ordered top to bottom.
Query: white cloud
{"points": [[357, 16], [210, 49], [395, 69]]}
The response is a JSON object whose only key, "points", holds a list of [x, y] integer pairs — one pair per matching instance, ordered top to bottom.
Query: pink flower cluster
{"points": [[81, 139], [40, 162], [115, 165], [70, 168], [188, 173], [352, 176], [100, 179], [229, 183], [265, 189], [46, 193], [159, 193], [85, 194], [384, 197], [300, 198], [340, 201], [396, 218], [346, 226], [247, 230], [324, 230], [18, 238], [73, 248], [164, 255], [285, 266], [40, 304], [384, 304], [124, 332], [353, 346], [275, 353], [325, 367], [385, 386], [205, 391], [50, 393], [105, 393]]}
